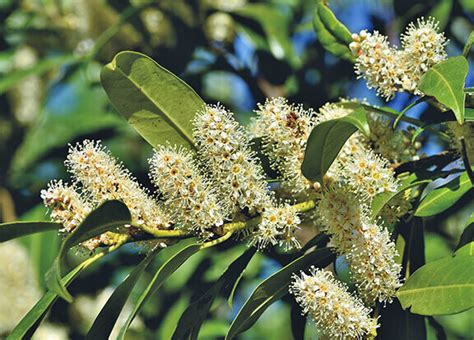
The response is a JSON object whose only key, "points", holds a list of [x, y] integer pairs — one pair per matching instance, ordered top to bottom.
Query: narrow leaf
{"points": [[445, 82], [158, 104], [326, 140], [440, 199], [109, 216], [9, 231], [467, 235], [165, 271], [441, 287], [273, 288], [108, 316], [190, 322], [398, 324]]}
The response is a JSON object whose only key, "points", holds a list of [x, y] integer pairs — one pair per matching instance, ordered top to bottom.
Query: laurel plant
{"points": [[350, 174]]}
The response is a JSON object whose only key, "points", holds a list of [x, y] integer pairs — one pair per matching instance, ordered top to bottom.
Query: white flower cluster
{"points": [[389, 69], [284, 130], [225, 147], [234, 168], [103, 178], [189, 197], [66, 204], [278, 226], [336, 312]]}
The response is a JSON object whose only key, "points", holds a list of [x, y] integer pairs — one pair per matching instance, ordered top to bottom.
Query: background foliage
{"points": [[233, 52]]}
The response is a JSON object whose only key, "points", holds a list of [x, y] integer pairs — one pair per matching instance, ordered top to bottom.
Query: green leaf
{"points": [[442, 11], [275, 26], [332, 34], [38, 69], [445, 82], [158, 104], [469, 114], [326, 140], [382, 199], [440, 199], [109, 216], [9, 231], [467, 235], [466, 250], [165, 271], [441, 287], [274, 288], [108, 316], [32, 319], [190, 322]]}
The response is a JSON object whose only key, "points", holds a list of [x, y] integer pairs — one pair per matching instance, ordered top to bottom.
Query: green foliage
{"points": [[331, 33], [445, 82], [159, 105], [326, 140], [440, 199], [109, 216], [9, 231], [161, 275], [441, 287], [273, 288], [193, 317], [105, 321]]}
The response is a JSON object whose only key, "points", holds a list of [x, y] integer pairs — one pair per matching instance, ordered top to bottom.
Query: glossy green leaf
{"points": [[275, 26], [331, 33], [468, 45], [445, 82], [158, 104], [326, 140], [382, 199], [440, 199], [109, 216], [9, 231], [467, 235], [467, 249], [163, 273], [441, 287], [274, 288], [108, 316], [32, 319], [190, 322]]}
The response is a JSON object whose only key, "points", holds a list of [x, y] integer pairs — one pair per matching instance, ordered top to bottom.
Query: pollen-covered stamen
{"points": [[284, 129], [225, 147], [103, 178], [189, 196], [66, 204], [336, 312]]}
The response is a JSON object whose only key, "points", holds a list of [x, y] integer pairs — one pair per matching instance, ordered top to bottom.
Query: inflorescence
{"points": [[203, 193]]}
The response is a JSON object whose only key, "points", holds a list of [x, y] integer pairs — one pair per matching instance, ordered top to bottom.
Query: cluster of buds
{"points": [[389, 69]]}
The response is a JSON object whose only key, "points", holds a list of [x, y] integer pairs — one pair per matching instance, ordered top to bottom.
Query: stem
{"points": [[405, 110], [465, 160], [217, 241]]}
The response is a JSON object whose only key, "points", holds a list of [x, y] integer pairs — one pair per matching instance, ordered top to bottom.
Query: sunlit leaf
{"points": [[331, 33], [445, 82], [158, 104], [326, 140], [440, 199], [468, 233], [441, 287]]}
